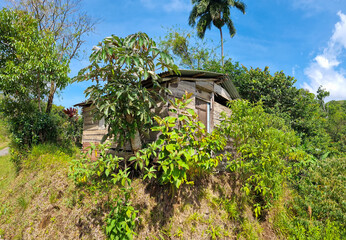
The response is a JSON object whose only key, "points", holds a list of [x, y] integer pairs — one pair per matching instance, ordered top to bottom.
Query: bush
{"points": [[71, 128], [28, 130], [263, 144], [183, 150], [102, 174], [320, 201]]}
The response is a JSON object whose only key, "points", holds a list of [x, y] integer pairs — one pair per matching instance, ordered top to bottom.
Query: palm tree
{"points": [[216, 12]]}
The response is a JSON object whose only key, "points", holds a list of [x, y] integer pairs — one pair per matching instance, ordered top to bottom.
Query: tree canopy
{"points": [[216, 12], [66, 23], [28, 60], [28, 64], [118, 67]]}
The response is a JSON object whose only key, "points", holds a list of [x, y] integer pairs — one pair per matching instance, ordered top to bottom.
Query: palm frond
{"points": [[240, 6], [205, 12], [193, 16], [202, 25], [230, 26]]}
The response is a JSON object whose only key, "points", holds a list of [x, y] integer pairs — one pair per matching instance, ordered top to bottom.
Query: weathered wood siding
{"points": [[203, 91], [218, 108], [93, 131]]}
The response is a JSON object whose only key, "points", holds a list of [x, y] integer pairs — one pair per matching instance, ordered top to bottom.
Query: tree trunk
{"points": [[221, 46], [38, 94], [50, 97], [135, 141]]}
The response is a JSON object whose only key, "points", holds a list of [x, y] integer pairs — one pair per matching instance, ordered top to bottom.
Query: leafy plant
{"points": [[28, 64], [118, 67], [262, 143], [183, 150], [99, 172], [103, 173], [318, 210], [121, 221]]}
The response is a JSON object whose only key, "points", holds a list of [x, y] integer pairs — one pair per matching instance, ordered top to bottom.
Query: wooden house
{"points": [[211, 91]]}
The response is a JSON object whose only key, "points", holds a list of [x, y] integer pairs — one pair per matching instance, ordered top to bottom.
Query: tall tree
{"points": [[217, 12], [68, 25], [186, 49], [28, 63], [322, 93]]}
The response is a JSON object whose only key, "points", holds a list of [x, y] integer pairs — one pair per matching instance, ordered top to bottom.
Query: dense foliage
{"points": [[67, 25], [28, 60], [28, 64], [118, 67], [300, 109], [336, 123], [263, 144], [183, 149], [317, 207]]}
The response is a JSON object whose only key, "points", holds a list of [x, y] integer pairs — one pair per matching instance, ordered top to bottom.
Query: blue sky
{"points": [[304, 38]]}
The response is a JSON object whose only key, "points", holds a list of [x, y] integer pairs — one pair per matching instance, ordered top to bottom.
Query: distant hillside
{"points": [[339, 102]]}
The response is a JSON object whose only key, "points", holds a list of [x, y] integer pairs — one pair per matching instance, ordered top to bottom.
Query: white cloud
{"points": [[177, 5], [168, 6], [339, 35], [325, 62], [326, 68]]}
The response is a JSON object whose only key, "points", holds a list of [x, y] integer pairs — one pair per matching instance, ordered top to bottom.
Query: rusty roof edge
{"points": [[230, 88], [85, 103]]}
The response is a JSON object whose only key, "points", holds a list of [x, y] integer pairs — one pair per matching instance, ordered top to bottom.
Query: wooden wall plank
{"points": [[205, 86], [222, 92], [203, 95], [218, 108]]}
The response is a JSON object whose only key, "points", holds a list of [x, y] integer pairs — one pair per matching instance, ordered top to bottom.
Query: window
{"points": [[102, 123]]}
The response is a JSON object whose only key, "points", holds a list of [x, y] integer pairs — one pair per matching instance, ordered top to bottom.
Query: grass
{"points": [[3, 135], [7, 173]]}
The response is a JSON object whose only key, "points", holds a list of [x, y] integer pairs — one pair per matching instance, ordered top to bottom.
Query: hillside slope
{"points": [[43, 203]]}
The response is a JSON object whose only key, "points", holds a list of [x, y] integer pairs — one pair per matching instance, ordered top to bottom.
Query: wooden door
{"points": [[203, 111]]}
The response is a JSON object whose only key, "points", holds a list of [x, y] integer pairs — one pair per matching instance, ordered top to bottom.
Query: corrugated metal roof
{"points": [[193, 73], [227, 83], [230, 88], [82, 104]]}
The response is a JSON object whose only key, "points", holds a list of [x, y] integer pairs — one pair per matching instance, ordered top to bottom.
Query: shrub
{"points": [[72, 127], [28, 130], [263, 143], [183, 150], [98, 173], [101, 174], [319, 208], [121, 221]]}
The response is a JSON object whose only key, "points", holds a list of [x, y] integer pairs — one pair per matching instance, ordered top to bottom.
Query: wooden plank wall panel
{"points": [[205, 86], [178, 90], [206, 96], [218, 108], [91, 129]]}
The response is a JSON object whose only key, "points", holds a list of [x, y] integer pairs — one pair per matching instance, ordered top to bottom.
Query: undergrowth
{"points": [[4, 134], [270, 186]]}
